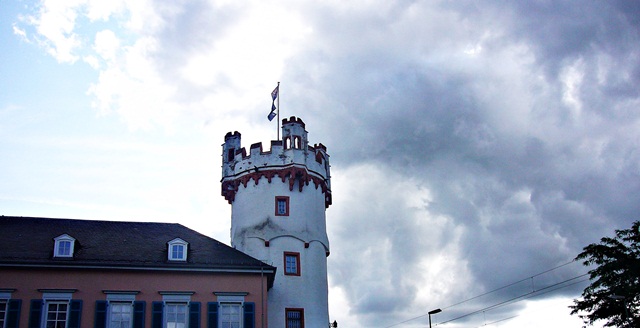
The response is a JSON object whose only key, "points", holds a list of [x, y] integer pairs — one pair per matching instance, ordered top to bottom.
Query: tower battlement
{"points": [[293, 120], [291, 159]]}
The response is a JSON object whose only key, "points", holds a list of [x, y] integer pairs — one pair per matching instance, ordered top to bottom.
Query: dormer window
{"points": [[64, 245], [177, 250]]}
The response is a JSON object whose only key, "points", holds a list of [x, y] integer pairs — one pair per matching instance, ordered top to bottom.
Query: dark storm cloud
{"points": [[521, 119]]}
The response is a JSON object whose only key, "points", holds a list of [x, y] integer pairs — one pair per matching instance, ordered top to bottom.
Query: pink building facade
{"points": [[77, 273]]}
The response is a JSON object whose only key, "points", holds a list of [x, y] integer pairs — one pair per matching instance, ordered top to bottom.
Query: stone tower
{"points": [[278, 198]]}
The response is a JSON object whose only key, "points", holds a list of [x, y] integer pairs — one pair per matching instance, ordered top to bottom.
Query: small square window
{"points": [[282, 206], [291, 264]]}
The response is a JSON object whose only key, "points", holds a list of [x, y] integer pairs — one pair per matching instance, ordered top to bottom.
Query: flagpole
{"points": [[278, 121]]}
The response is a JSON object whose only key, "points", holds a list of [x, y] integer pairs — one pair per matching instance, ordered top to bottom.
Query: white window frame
{"points": [[177, 243], [58, 248], [5, 297], [50, 298], [119, 298], [175, 299], [230, 300], [181, 309], [3, 313], [125, 315]]}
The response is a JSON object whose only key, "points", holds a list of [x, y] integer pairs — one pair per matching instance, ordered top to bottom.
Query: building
{"points": [[279, 199], [78, 273]]}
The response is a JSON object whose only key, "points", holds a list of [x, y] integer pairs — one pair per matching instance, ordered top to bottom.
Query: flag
{"points": [[274, 95]]}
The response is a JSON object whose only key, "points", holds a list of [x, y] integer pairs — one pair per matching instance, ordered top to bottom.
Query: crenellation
{"points": [[293, 120], [229, 135], [290, 158]]}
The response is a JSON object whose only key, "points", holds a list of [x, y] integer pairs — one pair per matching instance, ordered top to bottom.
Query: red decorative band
{"points": [[230, 187]]}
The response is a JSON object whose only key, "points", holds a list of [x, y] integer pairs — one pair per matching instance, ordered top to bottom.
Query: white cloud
{"points": [[106, 45]]}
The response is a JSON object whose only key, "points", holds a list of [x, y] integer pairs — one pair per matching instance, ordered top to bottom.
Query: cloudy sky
{"points": [[476, 147]]}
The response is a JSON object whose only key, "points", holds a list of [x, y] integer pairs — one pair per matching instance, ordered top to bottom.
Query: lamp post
{"points": [[624, 302], [433, 312]]}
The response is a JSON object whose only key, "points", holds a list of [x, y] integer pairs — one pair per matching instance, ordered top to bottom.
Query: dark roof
{"points": [[29, 241]]}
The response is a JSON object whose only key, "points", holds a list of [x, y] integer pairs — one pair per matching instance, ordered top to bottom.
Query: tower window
{"points": [[231, 153], [282, 206], [291, 264], [295, 318]]}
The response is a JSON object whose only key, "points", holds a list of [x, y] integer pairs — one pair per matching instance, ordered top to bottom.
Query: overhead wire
{"points": [[511, 284], [495, 290], [537, 294], [520, 297]]}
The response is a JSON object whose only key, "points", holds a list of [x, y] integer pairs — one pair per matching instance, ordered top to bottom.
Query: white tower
{"points": [[278, 199]]}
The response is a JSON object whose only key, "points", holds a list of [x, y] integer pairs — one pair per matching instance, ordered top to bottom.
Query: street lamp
{"points": [[624, 302], [433, 312]]}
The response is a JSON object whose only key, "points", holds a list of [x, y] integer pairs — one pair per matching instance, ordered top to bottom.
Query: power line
{"points": [[511, 284], [489, 292], [538, 294], [521, 297]]}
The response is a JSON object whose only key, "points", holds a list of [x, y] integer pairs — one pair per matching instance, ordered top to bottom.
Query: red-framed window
{"points": [[282, 205], [291, 264], [294, 318]]}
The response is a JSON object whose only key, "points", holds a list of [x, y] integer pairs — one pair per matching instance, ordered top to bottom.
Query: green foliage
{"points": [[615, 274]]}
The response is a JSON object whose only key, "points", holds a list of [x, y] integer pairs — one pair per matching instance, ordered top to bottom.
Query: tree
{"points": [[614, 292]]}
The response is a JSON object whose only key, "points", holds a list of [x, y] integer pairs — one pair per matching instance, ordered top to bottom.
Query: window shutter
{"points": [[75, 311], [13, 314], [35, 314], [138, 314], [156, 314], [194, 315], [212, 315], [249, 315], [100, 319]]}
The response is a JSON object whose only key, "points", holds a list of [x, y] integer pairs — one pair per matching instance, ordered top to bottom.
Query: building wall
{"points": [[303, 232], [90, 285]]}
